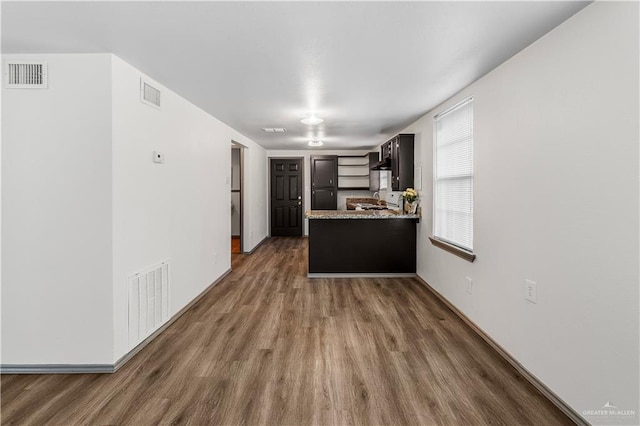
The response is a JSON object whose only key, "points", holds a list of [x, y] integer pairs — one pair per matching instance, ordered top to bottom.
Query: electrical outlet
{"points": [[469, 285], [531, 291]]}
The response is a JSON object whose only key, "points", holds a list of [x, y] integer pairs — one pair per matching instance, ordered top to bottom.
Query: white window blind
{"points": [[453, 176]]}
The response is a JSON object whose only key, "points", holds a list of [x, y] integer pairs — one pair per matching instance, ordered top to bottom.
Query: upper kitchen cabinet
{"points": [[385, 150], [401, 152], [324, 171], [324, 182]]}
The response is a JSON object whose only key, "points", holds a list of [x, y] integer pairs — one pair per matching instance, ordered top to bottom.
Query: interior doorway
{"points": [[237, 154]]}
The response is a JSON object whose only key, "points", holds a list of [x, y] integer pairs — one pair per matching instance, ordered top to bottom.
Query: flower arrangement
{"points": [[410, 195]]}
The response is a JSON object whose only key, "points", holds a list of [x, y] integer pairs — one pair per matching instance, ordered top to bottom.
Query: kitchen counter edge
{"points": [[358, 214]]}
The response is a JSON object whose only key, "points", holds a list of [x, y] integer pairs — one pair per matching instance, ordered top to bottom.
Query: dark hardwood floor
{"points": [[269, 346]]}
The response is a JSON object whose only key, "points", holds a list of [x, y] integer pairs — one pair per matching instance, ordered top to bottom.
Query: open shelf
{"points": [[353, 160], [353, 172]]}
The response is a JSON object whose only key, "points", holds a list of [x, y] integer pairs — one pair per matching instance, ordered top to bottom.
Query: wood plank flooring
{"points": [[235, 245], [268, 346]]}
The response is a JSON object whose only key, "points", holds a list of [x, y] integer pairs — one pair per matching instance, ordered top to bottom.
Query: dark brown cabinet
{"points": [[385, 150], [401, 152], [324, 171], [324, 182], [324, 199], [353, 246]]}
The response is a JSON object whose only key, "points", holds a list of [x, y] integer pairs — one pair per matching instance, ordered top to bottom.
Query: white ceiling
{"points": [[367, 68]]}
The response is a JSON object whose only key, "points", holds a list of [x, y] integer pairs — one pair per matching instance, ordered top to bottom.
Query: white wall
{"points": [[1, 97], [306, 155], [255, 192], [555, 201], [84, 206], [56, 208], [178, 210]]}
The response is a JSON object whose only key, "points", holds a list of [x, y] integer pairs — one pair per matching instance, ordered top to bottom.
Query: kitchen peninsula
{"points": [[362, 242]]}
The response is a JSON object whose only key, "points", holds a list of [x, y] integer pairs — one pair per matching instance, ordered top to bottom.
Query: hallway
{"points": [[267, 345]]}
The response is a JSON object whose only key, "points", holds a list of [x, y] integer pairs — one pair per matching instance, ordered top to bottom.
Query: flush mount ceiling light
{"points": [[311, 120], [315, 143]]}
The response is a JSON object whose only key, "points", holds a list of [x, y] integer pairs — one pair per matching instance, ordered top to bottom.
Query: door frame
{"points": [[242, 148], [304, 192]]}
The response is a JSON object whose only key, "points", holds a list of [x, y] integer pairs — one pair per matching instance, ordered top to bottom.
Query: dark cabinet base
{"points": [[365, 246]]}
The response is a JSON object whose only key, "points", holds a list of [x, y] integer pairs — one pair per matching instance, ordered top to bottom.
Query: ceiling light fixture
{"points": [[312, 120], [315, 143]]}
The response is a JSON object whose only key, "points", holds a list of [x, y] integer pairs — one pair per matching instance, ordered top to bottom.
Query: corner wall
{"points": [[255, 194], [556, 201], [84, 207], [178, 210], [56, 215]]}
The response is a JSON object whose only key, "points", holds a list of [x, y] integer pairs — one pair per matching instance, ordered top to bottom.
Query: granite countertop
{"points": [[353, 203], [358, 214]]}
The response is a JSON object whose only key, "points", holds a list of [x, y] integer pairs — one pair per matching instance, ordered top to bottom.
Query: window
{"points": [[453, 177]]}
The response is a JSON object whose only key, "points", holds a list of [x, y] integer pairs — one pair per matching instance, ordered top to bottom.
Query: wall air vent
{"points": [[25, 75], [148, 94], [274, 130], [148, 302]]}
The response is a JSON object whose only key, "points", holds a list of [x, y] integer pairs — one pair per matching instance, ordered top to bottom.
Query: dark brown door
{"points": [[286, 197]]}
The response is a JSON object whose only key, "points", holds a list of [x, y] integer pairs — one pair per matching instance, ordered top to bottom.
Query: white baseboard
{"points": [[256, 246], [56, 368]]}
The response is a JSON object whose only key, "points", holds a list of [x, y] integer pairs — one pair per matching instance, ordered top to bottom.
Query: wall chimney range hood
{"points": [[385, 164]]}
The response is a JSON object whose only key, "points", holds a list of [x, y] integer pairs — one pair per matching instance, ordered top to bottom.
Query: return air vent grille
{"points": [[25, 75], [149, 94], [274, 130], [148, 302]]}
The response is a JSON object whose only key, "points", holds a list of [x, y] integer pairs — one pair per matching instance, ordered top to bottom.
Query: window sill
{"points": [[470, 257]]}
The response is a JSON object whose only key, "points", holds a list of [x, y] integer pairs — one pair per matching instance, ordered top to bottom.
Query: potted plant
{"points": [[410, 196]]}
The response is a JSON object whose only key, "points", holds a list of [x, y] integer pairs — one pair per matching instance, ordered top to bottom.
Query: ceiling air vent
{"points": [[25, 75], [148, 94], [274, 130]]}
